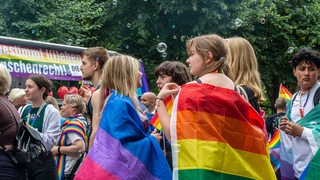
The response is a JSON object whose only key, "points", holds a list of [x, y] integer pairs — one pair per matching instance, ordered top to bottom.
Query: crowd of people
{"points": [[215, 128]]}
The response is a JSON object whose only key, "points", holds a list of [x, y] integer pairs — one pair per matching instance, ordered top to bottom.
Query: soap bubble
{"points": [[114, 2], [238, 22], [128, 25], [161, 47], [290, 50], [164, 54]]}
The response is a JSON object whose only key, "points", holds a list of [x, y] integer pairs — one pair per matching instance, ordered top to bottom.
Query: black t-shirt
{"points": [[272, 122]]}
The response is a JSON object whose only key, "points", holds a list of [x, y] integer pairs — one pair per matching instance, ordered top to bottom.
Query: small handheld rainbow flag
{"points": [[285, 93], [155, 120], [275, 140]]}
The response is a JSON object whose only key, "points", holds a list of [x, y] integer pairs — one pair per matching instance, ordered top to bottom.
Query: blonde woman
{"points": [[243, 66], [71, 143], [122, 148]]}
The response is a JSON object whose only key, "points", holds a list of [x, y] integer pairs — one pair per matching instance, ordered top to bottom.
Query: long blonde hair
{"points": [[210, 43], [243, 65], [120, 73]]}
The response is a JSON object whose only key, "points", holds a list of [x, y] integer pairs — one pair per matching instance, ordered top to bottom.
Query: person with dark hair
{"points": [[93, 61], [172, 71], [167, 72], [44, 118], [273, 121], [9, 125], [300, 128]]}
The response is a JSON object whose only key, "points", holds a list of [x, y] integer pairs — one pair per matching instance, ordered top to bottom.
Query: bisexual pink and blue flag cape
{"points": [[121, 148]]}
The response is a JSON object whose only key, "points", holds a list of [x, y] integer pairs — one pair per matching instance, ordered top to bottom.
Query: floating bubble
{"points": [[114, 2], [139, 16], [263, 21], [238, 22], [128, 25], [173, 26], [33, 31], [158, 36], [174, 37], [182, 38], [78, 41], [127, 46], [161, 47], [290, 50], [164, 54]]}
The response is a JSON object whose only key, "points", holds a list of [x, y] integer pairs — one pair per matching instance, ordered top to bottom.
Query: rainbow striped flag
{"points": [[285, 93], [155, 120], [76, 125], [216, 134], [274, 148], [121, 149]]}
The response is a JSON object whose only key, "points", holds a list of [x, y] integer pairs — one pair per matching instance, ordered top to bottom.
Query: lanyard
{"points": [[301, 109], [37, 115]]}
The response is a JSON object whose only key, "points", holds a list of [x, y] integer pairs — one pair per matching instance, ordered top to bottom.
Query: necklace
{"points": [[301, 108], [36, 116]]}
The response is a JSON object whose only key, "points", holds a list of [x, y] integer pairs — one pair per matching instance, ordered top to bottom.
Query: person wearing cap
{"points": [[18, 97], [300, 128]]}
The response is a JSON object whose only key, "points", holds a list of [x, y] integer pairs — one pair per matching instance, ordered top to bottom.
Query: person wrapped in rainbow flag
{"points": [[214, 132]]}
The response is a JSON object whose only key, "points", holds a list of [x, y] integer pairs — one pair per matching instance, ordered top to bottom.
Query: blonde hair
{"points": [[210, 43], [243, 65], [120, 73], [5, 80], [16, 93], [53, 101], [75, 101]]}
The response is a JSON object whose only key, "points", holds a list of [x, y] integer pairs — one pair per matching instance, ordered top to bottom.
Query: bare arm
{"points": [[166, 91], [95, 101], [77, 147]]}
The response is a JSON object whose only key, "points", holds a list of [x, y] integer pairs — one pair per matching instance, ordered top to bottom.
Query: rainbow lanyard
{"points": [[301, 109], [37, 115]]}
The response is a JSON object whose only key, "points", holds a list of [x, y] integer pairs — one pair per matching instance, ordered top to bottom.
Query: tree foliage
{"points": [[276, 28]]}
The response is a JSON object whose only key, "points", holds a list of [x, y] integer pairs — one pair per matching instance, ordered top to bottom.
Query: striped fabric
{"points": [[285, 93], [155, 120], [311, 121], [76, 125], [216, 134], [121, 149]]}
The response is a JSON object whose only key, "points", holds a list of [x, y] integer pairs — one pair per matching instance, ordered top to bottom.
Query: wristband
{"points": [[159, 98], [59, 149]]}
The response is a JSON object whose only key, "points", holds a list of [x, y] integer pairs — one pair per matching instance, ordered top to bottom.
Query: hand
{"points": [[168, 89], [85, 93], [283, 122], [290, 128], [156, 135]]}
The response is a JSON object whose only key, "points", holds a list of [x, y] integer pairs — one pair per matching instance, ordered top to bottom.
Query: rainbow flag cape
{"points": [[285, 93], [155, 120], [310, 121], [76, 125], [217, 134], [121, 149]]}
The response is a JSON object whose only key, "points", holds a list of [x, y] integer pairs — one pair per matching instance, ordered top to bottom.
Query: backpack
{"points": [[248, 94], [316, 97]]}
